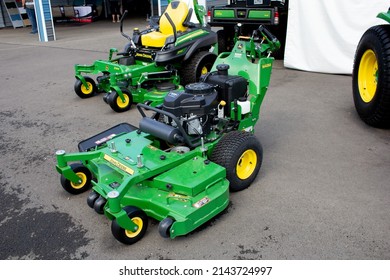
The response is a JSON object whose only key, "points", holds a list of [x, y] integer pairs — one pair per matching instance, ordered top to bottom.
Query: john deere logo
{"points": [[144, 55], [266, 65]]}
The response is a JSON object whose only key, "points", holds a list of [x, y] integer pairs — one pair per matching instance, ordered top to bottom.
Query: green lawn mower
{"points": [[172, 52], [371, 75], [179, 166]]}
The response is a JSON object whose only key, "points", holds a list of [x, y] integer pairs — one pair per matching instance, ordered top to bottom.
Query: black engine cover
{"points": [[230, 87], [197, 99]]}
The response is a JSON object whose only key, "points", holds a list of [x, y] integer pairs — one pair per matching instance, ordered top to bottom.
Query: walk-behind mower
{"points": [[154, 61], [186, 156]]}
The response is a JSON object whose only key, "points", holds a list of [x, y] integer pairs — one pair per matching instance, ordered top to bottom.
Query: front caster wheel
{"points": [[85, 91], [117, 104], [84, 183], [91, 199], [99, 205], [164, 227], [126, 236]]}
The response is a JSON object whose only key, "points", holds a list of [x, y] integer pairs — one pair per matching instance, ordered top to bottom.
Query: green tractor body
{"points": [[385, 16], [151, 64], [180, 165]]}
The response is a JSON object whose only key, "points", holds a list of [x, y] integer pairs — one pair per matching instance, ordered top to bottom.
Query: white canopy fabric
{"points": [[322, 35]]}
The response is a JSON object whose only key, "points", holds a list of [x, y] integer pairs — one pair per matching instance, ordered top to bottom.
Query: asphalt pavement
{"points": [[323, 191]]}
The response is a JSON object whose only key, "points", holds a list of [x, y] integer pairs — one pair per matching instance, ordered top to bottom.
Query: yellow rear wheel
{"points": [[204, 70], [368, 76], [246, 164]]}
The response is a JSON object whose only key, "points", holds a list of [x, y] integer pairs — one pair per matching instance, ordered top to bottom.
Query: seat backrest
{"points": [[178, 12]]}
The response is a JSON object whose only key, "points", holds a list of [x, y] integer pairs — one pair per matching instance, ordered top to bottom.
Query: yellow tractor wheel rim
{"points": [[204, 70], [368, 76], [86, 90], [122, 104], [246, 164], [83, 179], [138, 221]]}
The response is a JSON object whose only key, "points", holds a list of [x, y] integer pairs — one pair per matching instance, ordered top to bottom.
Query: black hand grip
{"points": [[268, 33]]}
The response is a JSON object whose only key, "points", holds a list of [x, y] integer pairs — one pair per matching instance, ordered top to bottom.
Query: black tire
{"points": [[222, 41], [198, 65], [371, 77], [82, 91], [116, 103], [241, 154], [85, 177], [91, 199], [99, 204], [164, 227], [126, 236]]}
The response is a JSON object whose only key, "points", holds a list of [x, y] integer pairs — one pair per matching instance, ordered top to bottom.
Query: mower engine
{"points": [[200, 106], [195, 107]]}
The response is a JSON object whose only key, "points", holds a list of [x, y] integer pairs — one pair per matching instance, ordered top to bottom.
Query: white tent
{"points": [[322, 35]]}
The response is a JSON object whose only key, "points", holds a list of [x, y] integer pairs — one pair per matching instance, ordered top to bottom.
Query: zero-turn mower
{"points": [[154, 62]]}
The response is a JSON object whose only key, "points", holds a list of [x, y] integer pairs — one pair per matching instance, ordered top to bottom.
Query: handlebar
{"points": [[121, 30], [267, 33], [273, 42]]}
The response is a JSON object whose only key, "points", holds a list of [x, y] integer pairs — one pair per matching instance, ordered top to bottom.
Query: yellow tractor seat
{"points": [[178, 12]]}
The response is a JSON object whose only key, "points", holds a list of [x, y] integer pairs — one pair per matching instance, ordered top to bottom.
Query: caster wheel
{"points": [[83, 91], [85, 180], [91, 199], [99, 205], [164, 227], [129, 237]]}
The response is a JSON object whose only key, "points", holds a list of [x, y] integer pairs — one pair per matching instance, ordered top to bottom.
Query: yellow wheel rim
{"points": [[204, 70], [368, 76], [86, 90], [122, 104], [246, 164], [83, 179], [138, 221]]}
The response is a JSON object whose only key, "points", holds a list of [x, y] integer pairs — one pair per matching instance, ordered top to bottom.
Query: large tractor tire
{"points": [[198, 65], [371, 77], [241, 154]]}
